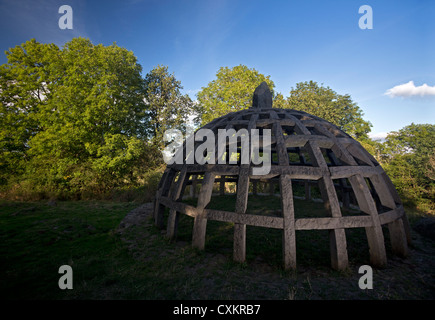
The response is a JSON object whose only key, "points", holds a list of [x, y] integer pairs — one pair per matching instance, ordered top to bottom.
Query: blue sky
{"points": [[292, 41]]}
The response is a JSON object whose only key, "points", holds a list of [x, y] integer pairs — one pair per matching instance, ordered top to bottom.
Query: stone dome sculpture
{"points": [[299, 150]]}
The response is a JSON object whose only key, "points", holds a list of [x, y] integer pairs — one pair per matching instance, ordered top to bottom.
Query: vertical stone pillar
{"points": [[194, 183], [222, 186], [255, 187], [271, 187], [307, 190], [163, 192], [288, 212], [173, 214], [200, 221], [395, 228], [337, 237], [375, 237], [239, 251]]}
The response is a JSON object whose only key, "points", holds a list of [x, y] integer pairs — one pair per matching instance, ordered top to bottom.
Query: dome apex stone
{"points": [[262, 98]]}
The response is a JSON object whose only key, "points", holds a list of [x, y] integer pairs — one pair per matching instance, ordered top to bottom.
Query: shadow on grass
{"points": [[36, 239]]}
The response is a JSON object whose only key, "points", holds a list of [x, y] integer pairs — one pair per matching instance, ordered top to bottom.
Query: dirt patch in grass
{"points": [[180, 272]]}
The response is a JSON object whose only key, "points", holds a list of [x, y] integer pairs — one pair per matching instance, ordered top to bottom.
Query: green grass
{"points": [[36, 239], [266, 244]]}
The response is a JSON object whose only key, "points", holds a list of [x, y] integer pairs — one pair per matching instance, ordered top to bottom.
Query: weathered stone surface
{"points": [[262, 97], [310, 158]]}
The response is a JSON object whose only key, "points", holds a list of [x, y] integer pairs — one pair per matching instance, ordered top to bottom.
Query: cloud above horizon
{"points": [[410, 90], [378, 135]]}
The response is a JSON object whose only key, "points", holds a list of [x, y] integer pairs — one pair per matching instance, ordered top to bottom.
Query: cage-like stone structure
{"points": [[306, 152]]}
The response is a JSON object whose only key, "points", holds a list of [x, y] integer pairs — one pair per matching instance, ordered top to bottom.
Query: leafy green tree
{"points": [[25, 86], [231, 91], [325, 103], [166, 107], [72, 117], [416, 140], [408, 156]]}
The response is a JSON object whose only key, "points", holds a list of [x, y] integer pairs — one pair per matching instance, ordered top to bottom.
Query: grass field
{"points": [[138, 262]]}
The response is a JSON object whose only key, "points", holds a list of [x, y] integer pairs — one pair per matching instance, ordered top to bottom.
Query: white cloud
{"points": [[409, 90], [378, 135]]}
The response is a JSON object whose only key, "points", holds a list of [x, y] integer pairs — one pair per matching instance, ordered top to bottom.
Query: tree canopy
{"points": [[233, 87], [231, 91], [331, 106], [166, 107], [76, 117], [82, 118], [408, 156]]}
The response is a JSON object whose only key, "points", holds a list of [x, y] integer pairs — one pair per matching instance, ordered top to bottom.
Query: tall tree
{"points": [[26, 83], [231, 91], [331, 106], [69, 107], [167, 107], [408, 156]]}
